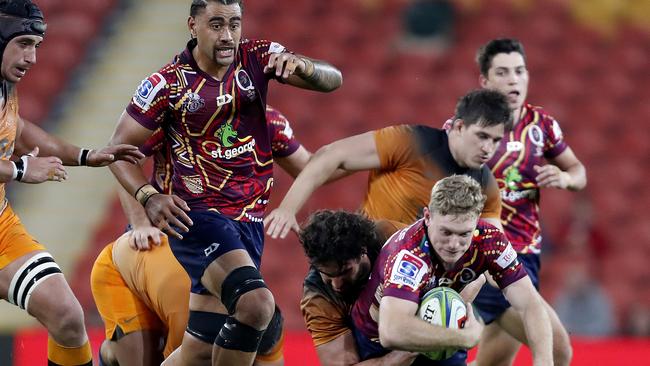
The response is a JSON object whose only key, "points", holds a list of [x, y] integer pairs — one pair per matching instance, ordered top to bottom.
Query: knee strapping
{"points": [[31, 274], [239, 282], [205, 325], [272, 334], [238, 336]]}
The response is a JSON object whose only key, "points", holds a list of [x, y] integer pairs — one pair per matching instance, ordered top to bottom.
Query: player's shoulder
{"points": [[253, 45], [539, 113], [275, 116], [489, 237], [408, 238], [315, 287]]}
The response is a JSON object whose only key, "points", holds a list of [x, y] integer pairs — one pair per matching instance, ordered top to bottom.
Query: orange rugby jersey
{"points": [[8, 125], [413, 158]]}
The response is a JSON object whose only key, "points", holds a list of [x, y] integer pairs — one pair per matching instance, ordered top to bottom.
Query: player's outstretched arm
{"points": [[304, 72], [30, 136], [351, 154], [30, 168], [564, 172], [165, 211], [143, 232], [527, 302], [399, 328]]}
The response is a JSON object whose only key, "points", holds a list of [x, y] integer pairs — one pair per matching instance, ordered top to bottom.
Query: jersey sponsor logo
{"points": [[275, 47], [148, 90], [224, 99], [193, 102], [514, 146], [234, 152], [512, 176], [193, 183], [514, 196], [507, 257], [408, 270]]}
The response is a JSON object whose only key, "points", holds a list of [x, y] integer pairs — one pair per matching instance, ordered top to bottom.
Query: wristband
{"points": [[82, 159], [20, 167], [145, 192]]}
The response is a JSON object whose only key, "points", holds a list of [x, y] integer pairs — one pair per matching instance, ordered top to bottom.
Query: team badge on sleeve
{"points": [[148, 90], [507, 257], [408, 270]]}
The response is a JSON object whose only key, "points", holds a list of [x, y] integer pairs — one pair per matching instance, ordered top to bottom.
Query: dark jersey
{"points": [[537, 136], [219, 143], [283, 144], [413, 158], [408, 267]]}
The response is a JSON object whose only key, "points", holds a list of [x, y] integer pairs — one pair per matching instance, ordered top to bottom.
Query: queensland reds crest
{"points": [[245, 84], [536, 136]]}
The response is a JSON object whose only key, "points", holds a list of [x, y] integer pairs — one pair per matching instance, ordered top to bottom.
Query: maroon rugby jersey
{"points": [[537, 136], [219, 143], [283, 144], [408, 267]]}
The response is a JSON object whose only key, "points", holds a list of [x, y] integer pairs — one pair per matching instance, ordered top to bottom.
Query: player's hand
{"points": [[285, 64], [111, 154], [39, 170], [550, 176], [167, 212], [279, 222], [142, 237], [473, 328]]}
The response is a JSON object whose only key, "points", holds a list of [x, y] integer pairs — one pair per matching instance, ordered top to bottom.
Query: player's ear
{"points": [[191, 25], [482, 81], [457, 124]]}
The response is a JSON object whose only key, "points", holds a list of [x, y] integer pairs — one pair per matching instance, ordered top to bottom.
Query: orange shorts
{"points": [[15, 241], [117, 304], [275, 354]]}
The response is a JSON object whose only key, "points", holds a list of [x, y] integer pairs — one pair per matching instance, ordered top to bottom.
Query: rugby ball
{"points": [[444, 307]]}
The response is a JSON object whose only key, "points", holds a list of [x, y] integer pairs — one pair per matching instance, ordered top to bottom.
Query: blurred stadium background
{"points": [[403, 61]]}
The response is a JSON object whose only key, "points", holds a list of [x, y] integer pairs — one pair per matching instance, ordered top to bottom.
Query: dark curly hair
{"points": [[338, 236]]}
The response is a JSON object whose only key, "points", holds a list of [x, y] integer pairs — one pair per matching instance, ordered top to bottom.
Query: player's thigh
{"points": [[221, 267], [496, 347], [141, 348]]}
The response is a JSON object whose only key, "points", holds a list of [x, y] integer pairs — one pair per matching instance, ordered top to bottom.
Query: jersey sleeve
{"points": [[262, 50], [150, 103], [283, 140], [153, 143], [554, 143], [394, 146], [492, 207], [503, 264], [405, 274], [324, 320]]}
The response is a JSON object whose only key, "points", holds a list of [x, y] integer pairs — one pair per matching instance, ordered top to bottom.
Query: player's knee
{"points": [[246, 296], [256, 308], [204, 325], [67, 326], [272, 334], [238, 336], [562, 353]]}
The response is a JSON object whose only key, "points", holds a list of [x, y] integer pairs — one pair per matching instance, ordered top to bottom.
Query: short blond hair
{"points": [[457, 195]]}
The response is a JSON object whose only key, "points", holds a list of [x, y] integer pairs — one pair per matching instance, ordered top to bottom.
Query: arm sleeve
{"points": [[150, 103], [283, 140], [554, 143], [395, 146], [492, 208], [325, 321]]}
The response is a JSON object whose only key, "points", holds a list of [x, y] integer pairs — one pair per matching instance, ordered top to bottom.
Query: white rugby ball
{"points": [[444, 307]]}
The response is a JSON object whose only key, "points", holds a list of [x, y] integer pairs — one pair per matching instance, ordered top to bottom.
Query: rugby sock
{"points": [[58, 355]]}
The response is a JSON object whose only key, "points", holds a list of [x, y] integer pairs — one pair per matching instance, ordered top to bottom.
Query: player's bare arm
{"points": [[304, 72], [30, 136], [350, 154], [30, 168], [564, 172], [163, 210], [143, 232], [528, 303], [399, 328]]}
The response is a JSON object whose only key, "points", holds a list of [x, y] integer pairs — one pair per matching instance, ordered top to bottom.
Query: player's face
{"points": [[218, 31], [19, 56], [508, 74], [476, 143], [450, 235], [347, 278]]}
